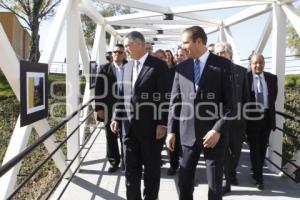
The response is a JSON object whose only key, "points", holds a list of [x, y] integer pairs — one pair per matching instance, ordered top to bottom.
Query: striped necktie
{"points": [[197, 69]]}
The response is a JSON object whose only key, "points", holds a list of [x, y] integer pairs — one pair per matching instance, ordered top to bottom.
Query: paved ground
{"points": [[94, 182]]}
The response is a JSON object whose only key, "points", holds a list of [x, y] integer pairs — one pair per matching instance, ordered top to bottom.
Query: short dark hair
{"points": [[197, 32], [134, 35], [119, 45]]}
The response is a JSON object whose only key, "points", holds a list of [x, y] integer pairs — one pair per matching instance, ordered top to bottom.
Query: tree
{"points": [[106, 10], [32, 12], [293, 39]]}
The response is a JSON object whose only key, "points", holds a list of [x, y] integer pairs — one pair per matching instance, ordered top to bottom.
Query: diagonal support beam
{"points": [[140, 5], [215, 6], [247, 14], [293, 16], [265, 35]]}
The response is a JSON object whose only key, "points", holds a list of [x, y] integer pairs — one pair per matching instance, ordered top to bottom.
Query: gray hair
{"points": [[135, 35], [224, 45]]}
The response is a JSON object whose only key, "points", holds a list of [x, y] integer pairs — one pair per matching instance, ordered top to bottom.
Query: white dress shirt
{"points": [[202, 59], [135, 72]]}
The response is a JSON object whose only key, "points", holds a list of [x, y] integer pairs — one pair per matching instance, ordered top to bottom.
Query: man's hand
{"points": [[100, 114], [114, 127], [160, 132], [211, 139], [170, 141]]}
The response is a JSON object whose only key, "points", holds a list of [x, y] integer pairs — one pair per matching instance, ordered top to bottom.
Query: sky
{"points": [[245, 34]]}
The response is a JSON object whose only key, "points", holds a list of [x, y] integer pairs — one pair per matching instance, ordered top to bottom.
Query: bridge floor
{"points": [[94, 182]]}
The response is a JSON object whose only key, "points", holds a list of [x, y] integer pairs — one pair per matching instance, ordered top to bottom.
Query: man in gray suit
{"points": [[203, 91], [238, 127]]}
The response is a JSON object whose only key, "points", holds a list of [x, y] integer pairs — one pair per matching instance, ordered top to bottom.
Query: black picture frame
{"points": [[93, 74], [33, 92]]}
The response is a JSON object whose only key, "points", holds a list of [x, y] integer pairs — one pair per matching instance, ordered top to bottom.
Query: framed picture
{"points": [[93, 74], [34, 92]]}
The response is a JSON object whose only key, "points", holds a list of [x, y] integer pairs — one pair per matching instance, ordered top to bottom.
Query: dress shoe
{"points": [[112, 169], [171, 171], [234, 180], [259, 185], [226, 189]]}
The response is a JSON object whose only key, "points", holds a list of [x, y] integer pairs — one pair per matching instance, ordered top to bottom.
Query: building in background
{"points": [[18, 36]]}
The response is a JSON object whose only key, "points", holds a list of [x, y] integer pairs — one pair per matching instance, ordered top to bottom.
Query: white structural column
{"points": [[265, 35], [222, 36], [230, 40], [112, 42], [96, 43], [102, 46], [278, 68], [72, 80], [87, 90]]}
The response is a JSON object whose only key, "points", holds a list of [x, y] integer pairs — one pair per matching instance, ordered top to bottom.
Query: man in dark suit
{"points": [[181, 55], [203, 88], [107, 92], [263, 92], [143, 122], [237, 128]]}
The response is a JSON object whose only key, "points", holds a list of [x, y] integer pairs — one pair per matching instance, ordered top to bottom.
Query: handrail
{"points": [[293, 118], [288, 133], [10, 164], [73, 174], [19, 187]]}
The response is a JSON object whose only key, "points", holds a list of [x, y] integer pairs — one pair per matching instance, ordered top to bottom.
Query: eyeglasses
{"points": [[120, 52]]}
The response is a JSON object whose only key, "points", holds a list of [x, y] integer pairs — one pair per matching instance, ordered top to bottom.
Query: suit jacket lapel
{"points": [[112, 70], [143, 71], [190, 74], [127, 79]]}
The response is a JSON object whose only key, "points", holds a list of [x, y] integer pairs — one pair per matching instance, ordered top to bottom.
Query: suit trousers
{"points": [[258, 136], [236, 137], [112, 147], [139, 152], [174, 155], [214, 159]]}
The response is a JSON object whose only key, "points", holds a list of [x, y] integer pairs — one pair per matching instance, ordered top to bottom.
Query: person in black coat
{"points": [[203, 88], [107, 92], [263, 93], [143, 121], [237, 128]]}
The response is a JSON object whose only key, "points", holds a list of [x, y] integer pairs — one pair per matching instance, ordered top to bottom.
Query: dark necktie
{"points": [[260, 93]]}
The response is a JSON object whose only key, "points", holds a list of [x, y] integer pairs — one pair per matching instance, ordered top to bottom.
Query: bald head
{"points": [[257, 63]]}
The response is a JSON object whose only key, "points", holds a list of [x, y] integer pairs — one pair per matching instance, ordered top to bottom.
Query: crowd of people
{"points": [[194, 102]]}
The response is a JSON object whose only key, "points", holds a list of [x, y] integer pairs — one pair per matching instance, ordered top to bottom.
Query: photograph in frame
{"points": [[34, 94]]}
